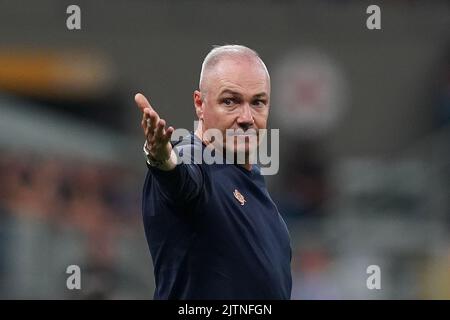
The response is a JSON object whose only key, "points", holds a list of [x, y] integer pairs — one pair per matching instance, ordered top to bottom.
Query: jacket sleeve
{"points": [[184, 182]]}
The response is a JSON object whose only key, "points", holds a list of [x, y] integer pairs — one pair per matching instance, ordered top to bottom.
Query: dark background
{"points": [[364, 151]]}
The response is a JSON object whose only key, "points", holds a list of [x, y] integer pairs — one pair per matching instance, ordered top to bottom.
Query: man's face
{"points": [[237, 97]]}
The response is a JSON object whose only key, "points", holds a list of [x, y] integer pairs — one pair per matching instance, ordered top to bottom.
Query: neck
{"points": [[199, 133]]}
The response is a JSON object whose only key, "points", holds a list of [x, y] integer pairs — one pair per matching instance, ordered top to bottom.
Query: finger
{"points": [[142, 102], [146, 112], [145, 117], [153, 120], [145, 124], [151, 124], [160, 130], [148, 133], [168, 135]]}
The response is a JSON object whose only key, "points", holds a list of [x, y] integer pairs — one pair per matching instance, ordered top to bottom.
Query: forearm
{"points": [[183, 182]]}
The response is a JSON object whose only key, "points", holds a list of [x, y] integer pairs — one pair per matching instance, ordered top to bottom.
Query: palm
{"points": [[156, 134]]}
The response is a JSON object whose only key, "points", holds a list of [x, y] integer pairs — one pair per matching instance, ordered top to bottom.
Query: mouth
{"points": [[241, 134]]}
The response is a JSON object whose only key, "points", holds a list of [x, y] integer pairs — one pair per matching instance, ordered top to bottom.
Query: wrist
{"points": [[162, 164]]}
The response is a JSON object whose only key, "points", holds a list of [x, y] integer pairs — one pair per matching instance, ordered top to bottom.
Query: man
{"points": [[212, 229]]}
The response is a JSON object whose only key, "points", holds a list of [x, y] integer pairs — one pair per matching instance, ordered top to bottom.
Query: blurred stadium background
{"points": [[364, 120]]}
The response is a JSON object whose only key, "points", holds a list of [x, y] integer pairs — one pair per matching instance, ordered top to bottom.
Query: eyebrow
{"points": [[259, 95]]}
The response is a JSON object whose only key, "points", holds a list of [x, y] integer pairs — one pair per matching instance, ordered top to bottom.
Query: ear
{"points": [[198, 104]]}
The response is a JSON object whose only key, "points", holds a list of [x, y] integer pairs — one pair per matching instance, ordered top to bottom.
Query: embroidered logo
{"points": [[239, 197]]}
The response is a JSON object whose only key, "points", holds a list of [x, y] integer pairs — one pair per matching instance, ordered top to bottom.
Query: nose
{"points": [[245, 119]]}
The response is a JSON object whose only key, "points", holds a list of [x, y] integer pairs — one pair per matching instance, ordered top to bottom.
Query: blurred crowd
{"points": [[70, 191], [96, 200]]}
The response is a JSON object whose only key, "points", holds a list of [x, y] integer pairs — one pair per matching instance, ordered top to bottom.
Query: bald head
{"points": [[236, 53], [234, 94]]}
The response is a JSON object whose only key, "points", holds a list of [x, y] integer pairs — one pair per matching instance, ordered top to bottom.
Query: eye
{"points": [[228, 101], [259, 103]]}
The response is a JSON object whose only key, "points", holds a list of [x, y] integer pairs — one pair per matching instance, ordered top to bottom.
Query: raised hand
{"points": [[156, 134]]}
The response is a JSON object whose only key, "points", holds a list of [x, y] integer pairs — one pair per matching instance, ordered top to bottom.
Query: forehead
{"points": [[242, 75]]}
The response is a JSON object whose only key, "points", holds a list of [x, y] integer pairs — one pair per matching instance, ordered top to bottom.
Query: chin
{"points": [[244, 150]]}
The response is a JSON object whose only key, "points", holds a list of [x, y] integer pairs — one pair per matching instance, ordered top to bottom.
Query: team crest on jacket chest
{"points": [[239, 197]]}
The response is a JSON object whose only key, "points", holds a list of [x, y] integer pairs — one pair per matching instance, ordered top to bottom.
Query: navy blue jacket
{"points": [[214, 232]]}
